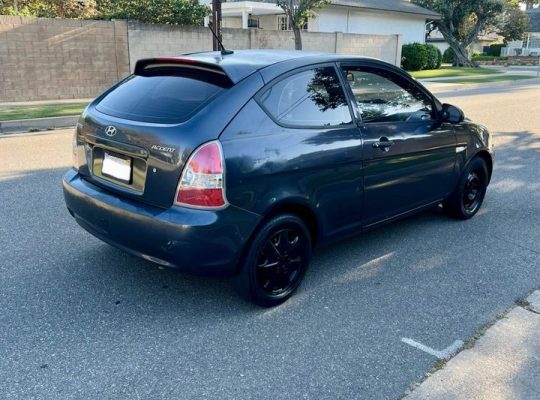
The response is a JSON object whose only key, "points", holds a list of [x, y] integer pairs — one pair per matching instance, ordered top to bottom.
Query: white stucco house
{"points": [[375, 17], [530, 45], [477, 47]]}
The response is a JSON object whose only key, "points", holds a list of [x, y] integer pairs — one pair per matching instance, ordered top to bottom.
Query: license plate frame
{"points": [[117, 167]]}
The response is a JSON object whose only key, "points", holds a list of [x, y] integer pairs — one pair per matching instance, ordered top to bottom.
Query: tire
{"points": [[469, 194], [275, 261]]}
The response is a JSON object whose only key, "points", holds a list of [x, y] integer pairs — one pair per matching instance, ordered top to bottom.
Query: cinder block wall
{"points": [[147, 40], [164, 40], [384, 47], [43, 59], [49, 59]]}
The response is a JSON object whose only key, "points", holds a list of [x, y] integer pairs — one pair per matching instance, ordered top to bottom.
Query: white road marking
{"points": [[444, 354]]}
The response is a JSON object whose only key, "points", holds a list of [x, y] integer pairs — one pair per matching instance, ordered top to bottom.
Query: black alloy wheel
{"points": [[472, 192], [469, 194], [281, 260], [276, 261]]}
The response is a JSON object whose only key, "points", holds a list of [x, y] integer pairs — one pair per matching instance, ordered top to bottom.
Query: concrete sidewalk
{"points": [[437, 87], [44, 102], [37, 124], [504, 363]]}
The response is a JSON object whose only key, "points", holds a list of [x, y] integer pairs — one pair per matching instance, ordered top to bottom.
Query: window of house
{"points": [[253, 22], [284, 24], [534, 41], [311, 98], [380, 99]]}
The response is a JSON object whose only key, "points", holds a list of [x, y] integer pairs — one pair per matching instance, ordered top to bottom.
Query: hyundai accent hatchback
{"points": [[241, 164]]}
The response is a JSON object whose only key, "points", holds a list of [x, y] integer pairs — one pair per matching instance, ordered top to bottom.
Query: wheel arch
{"points": [[486, 156], [296, 207], [301, 210]]}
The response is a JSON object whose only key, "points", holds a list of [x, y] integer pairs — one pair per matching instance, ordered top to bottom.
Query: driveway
{"points": [[80, 319]]}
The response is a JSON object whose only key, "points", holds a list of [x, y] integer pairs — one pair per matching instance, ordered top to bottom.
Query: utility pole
{"points": [[216, 23]]}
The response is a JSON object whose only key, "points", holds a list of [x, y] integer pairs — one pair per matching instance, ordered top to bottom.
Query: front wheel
{"points": [[469, 194], [275, 261]]}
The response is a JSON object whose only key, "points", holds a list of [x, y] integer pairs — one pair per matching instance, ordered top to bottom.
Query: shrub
{"points": [[495, 49], [415, 56], [448, 56], [432, 57], [439, 58], [488, 58]]}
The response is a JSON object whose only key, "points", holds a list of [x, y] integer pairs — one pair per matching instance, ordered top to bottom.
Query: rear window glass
{"points": [[165, 99]]}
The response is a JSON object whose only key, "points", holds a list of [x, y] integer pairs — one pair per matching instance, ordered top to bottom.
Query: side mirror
{"points": [[452, 114]]}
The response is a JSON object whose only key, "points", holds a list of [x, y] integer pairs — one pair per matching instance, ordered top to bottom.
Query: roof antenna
{"points": [[224, 52]]}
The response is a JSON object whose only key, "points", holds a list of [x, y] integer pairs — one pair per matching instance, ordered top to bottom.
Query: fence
{"points": [[48, 59]]}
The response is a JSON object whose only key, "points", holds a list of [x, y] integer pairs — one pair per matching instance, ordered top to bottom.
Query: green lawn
{"points": [[453, 71], [486, 79], [40, 111]]}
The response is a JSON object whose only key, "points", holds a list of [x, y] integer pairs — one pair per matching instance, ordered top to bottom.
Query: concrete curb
{"points": [[25, 125], [502, 363]]}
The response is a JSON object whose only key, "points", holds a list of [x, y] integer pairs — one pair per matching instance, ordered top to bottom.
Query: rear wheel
{"points": [[468, 196], [275, 262]]}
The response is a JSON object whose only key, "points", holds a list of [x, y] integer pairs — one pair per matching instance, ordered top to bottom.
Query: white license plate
{"points": [[119, 168]]}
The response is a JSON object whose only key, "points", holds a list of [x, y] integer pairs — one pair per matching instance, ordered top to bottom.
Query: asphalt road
{"points": [[82, 320]]}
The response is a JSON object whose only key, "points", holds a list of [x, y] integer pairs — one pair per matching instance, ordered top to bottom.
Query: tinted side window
{"points": [[312, 98], [163, 99], [380, 99]]}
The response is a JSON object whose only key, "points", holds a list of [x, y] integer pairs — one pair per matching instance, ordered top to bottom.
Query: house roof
{"points": [[402, 6], [534, 16]]}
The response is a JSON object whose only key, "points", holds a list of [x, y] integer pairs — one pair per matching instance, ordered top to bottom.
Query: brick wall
{"points": [[44, 59], [48, 59]]}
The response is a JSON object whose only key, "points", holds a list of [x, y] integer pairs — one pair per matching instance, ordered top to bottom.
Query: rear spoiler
{"points": [[143, 67], [226, 69]]}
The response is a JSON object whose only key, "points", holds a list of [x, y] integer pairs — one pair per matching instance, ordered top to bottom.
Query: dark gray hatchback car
{"points": [[240, 164]]}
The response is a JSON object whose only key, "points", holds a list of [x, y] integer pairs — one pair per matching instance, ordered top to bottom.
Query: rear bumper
{"points": [[197, 241]]}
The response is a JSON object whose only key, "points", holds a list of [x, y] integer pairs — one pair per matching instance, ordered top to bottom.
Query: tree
{"points": [[531, 3], [49, 8], [173, 12], [177, 12], [298, 12], [462, 21], [514, 24]]}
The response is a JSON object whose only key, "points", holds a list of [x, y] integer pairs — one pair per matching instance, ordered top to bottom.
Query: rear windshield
{"points": [[166, 97]]}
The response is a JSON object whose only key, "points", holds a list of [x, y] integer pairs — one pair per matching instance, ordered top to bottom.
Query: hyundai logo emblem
{"points": [[110, 130]]}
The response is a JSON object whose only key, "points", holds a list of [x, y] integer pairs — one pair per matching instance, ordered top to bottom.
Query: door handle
{"points": [[384, 144]]}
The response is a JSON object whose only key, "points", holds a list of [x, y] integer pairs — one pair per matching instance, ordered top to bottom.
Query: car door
{"points": [[409, 154]]}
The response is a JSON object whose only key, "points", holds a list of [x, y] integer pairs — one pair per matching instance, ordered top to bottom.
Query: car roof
{"points": [[243, 63]]}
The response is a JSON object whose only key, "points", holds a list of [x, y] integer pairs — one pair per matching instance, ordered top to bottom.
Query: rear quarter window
{"points": [[168, 96], [310, 98]]}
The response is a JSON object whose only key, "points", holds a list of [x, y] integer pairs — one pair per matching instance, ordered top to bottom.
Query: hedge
{"points": [[495, 49], [449, 55], [415, 56], [418, 56], [488, 58], [434, 60]]}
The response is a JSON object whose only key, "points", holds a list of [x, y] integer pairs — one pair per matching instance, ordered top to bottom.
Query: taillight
{"points": [[74, 151], [201, 184]]}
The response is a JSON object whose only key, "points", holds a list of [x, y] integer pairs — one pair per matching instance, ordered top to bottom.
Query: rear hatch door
{"points": [[136, 137]]}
